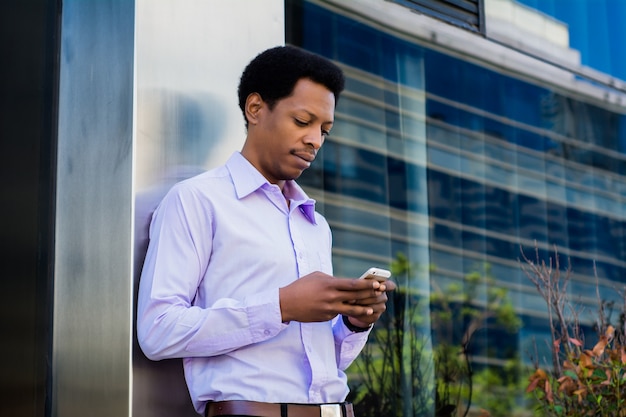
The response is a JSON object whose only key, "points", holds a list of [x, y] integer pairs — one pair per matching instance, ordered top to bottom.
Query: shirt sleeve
{"points": [[169, 325], [348, 344]]}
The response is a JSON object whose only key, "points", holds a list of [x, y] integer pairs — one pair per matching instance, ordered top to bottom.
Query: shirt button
{"points": [[266, 332]]}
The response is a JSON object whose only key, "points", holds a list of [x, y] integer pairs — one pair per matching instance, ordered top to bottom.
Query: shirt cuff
{"points": [[264, 315], [352, 327]]}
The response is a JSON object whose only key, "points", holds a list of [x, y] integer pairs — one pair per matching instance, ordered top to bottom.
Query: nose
{"points": [[314, 139]]}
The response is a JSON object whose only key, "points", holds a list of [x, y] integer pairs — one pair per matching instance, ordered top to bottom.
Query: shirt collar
{"points": [[247, 179]]}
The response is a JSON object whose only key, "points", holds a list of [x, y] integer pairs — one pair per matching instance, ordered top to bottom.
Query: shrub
{"points": [[581, 382]]}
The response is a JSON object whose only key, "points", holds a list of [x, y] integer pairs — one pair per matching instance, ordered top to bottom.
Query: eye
{"points": [[301, 123], [325, 132]]}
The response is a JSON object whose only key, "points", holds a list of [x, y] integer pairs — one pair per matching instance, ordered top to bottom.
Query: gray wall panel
{"points": [[189, 58], [92, 295]]}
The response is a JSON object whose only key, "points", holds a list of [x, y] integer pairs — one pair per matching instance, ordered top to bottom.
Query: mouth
{"points": [[305, 155]]}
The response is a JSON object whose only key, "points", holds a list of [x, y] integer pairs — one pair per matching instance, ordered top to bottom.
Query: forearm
{"points": [[173, 330]]}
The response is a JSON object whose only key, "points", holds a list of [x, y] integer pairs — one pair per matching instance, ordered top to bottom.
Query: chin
{"points": [[292, 175], [296, 176]]}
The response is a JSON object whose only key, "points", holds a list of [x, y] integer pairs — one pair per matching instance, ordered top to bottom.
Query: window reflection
{"points": [[450, 170]]}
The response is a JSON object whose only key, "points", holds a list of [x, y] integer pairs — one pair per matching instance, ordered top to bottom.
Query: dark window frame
{"points": [[466, 14]]}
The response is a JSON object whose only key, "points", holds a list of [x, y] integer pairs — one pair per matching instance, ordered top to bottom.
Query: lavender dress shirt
{"points": [[221, 245]]}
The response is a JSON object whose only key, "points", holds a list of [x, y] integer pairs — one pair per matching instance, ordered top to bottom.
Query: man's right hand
{"points": [[320, 297]]}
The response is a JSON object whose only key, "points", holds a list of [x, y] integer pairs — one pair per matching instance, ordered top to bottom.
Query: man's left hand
{"points": [[377, 303]]}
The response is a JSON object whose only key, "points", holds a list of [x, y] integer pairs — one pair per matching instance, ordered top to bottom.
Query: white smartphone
{"points": [[378, 274]]}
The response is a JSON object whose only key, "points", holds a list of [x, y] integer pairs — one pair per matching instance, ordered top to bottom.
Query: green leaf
{"points": [[599, 373], [571, 374]]}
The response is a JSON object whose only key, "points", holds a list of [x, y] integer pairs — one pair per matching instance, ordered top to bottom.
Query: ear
{"points": [[254, 103]]}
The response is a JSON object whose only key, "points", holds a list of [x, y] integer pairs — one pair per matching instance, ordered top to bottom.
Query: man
{"points": [[238, 275]]}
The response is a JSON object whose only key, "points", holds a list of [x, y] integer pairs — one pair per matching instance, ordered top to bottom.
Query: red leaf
{"points": [[575, 342], [548, 390]]}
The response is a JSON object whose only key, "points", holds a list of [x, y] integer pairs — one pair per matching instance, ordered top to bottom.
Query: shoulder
{"points": [[204, 184], [197, 193], [321, 220], [322, 226]]}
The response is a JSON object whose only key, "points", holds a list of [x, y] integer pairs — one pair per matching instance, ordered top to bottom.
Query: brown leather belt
{"points": [[258, 409]]}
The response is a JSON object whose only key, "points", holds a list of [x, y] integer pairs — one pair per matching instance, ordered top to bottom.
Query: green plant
{"points": [[474, 304], [418, 359], [393, 375], [592, 381], [581, 382]]}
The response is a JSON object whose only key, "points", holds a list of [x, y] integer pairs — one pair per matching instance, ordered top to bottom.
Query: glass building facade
{"points": [[595, 30], [471, 133], [451, 171]]}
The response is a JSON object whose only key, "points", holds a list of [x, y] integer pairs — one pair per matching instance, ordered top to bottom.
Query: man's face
{"points": [[286, 139]]}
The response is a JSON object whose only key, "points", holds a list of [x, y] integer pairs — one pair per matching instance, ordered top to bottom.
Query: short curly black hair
{"points": [[274, 72]]}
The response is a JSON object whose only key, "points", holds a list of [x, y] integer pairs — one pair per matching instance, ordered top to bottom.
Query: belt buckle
{"points": [[330, 410]]}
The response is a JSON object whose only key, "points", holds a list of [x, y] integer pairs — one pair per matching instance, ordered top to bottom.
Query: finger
{"points": [[350, 284], [388, 286], [358, 296], [375, 297], [364, 298], [368, 302], [377, 309], [357, 310]]}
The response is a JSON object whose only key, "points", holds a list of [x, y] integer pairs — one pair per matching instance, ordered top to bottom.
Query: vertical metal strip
{"points": [[91, 328]]}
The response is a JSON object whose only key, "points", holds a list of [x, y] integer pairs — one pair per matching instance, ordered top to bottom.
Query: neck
{"points": [[249, 155]]}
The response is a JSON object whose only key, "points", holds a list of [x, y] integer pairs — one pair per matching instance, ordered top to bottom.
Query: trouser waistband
{"points": [[260, 409]]}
